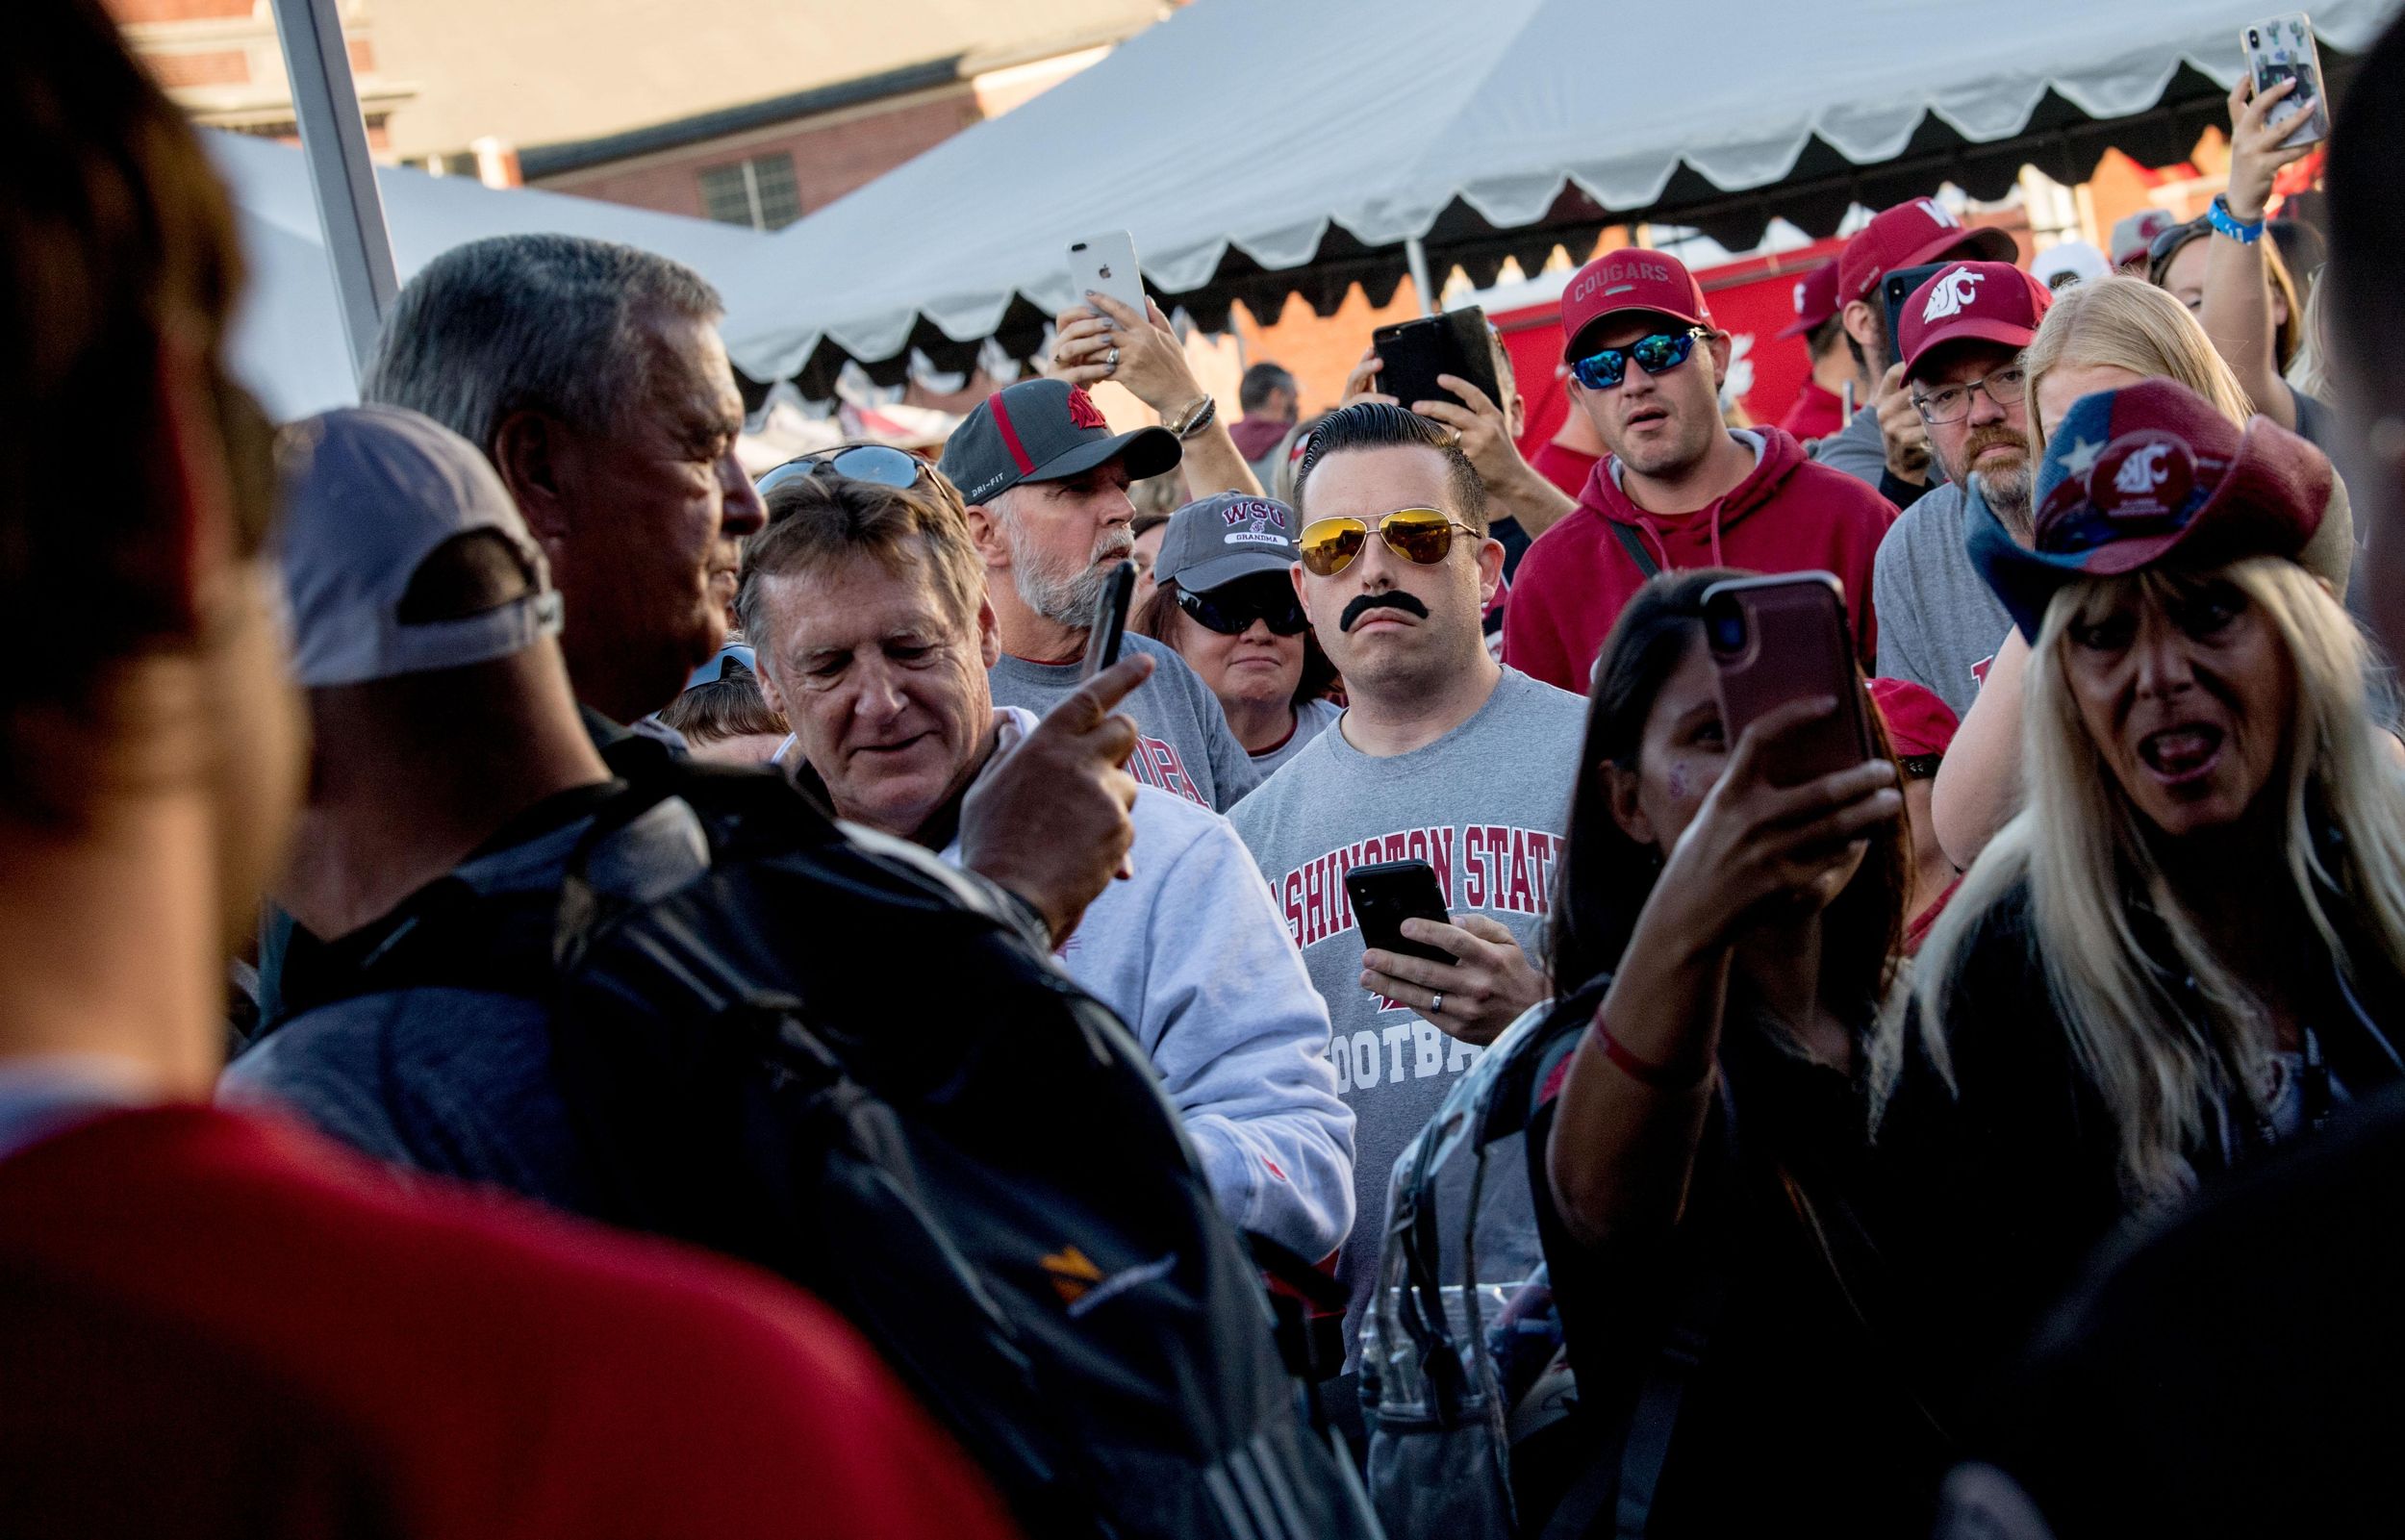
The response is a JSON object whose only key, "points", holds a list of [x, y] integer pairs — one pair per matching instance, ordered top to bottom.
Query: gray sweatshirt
{"points": [[1939, 623], [1185, 743], [1486, 806]]}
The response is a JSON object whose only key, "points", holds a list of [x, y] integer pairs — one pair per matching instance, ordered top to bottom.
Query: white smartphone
{"points": [[2280, 49], [1107, 265]]}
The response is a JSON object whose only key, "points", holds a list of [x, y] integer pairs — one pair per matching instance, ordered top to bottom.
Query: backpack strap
{"points": [[1634, 546]]}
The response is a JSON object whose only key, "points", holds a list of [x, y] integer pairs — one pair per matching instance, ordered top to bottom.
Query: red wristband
{"points": [[1645, 1072]]}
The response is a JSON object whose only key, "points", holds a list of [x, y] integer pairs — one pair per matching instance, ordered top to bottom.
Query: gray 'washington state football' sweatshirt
{"points": [[1486, 805]]}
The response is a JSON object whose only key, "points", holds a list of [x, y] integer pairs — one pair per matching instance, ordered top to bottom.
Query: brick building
{"points": [[219, 61]]}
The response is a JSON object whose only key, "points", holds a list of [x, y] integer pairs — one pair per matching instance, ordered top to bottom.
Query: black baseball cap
{"points": [[1045, 430]]}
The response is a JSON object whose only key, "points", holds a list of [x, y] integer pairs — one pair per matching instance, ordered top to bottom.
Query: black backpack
{"points": [[834, 1056]]}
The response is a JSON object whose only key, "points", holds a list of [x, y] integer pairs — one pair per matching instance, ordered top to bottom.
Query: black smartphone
{"points": [[1897, 288], [1412, 353], [1110, 620], [1386, 893]]}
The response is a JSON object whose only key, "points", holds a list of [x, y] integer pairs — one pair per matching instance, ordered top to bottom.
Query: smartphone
{"points": [[2283, 49], [1107, 265], [1897, 288], [1412, 353], [1110, 620], [1779, 638], [1387, 893]]}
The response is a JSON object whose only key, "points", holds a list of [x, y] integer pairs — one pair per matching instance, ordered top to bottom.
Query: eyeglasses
{"points": [[1658, 354], [1953, 403], [879, 463], [1420, 536], [1232, 608]]}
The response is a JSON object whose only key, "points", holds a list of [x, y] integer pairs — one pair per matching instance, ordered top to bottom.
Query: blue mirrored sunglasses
{"points": [[1658, 354], [879, 463], [714, 670]]}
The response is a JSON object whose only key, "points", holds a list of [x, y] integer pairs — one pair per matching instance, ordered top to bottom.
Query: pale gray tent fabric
{"points": [[1284, 134], [287, 345]]}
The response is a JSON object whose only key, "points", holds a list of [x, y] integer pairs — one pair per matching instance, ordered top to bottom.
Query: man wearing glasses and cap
{"points": [[1045, 485], [1679, 488], [1442, 755]]}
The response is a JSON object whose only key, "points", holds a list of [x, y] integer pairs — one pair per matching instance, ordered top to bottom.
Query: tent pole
{"points": [[334, 136], [1416, 254]]}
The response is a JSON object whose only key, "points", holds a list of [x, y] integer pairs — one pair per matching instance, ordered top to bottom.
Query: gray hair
{"points": [[545, 322]]}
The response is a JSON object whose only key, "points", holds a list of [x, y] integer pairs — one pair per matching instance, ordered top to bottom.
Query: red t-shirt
{"points": [[1814, 414], [1566, 468], [1789, 514], [217, 1325]]}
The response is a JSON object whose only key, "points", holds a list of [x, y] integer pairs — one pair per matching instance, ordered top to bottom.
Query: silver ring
{"points": [[1110, 361], [1436, 1006]]}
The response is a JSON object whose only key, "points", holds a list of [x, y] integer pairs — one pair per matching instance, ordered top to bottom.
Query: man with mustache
{"points": [[1963, 333], [1046, 483], [1679, 488], [1442, 755]]}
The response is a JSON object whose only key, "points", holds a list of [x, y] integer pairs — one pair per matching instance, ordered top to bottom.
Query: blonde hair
{"points": [[2129, 323], [2080, 846]]}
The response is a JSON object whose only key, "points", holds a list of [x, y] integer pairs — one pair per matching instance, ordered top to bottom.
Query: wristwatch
{"points": [[2218, 216]]}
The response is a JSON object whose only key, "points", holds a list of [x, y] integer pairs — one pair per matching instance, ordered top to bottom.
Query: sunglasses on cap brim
{"points": [[2164, 247], [1658, 354], [879, 463], [1420, 536], [1232, 608], [714, 670]]}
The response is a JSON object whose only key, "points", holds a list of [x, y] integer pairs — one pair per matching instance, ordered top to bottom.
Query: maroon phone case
{"points": [[1796, 646]]}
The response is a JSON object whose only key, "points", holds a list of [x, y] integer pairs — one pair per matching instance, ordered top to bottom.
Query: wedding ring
{"points": [[1110, 361], [1436, 1006]]}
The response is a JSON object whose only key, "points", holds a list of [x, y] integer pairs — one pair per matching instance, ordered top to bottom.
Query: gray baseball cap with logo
{"points": [[1045, 430], [369, 493], [1219, 539]]}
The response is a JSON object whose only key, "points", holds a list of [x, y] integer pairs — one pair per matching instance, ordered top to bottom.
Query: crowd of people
{"points": [[560, 989]]}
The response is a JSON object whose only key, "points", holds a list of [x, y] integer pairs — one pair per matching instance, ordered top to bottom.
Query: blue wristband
{"points": [[2217, 215]]}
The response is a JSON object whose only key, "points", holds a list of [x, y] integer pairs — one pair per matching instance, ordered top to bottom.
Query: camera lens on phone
{"points": [[1726, 630]]}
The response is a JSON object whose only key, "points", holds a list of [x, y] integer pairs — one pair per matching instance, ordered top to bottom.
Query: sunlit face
{"points": [[2183, 280], [2060, 388], [1657, 424], [1990, 437], [661, 507], [1065, 537], [1387, 650], [1257, 668], [882, 682], [2187, 693]]}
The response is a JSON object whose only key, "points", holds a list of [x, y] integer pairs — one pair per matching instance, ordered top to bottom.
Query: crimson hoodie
{"points": [[1789, 516]]}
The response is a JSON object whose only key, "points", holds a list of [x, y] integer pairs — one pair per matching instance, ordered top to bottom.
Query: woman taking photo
{"points": [[1224, 597], [2189, 946], [1706, 1169]]}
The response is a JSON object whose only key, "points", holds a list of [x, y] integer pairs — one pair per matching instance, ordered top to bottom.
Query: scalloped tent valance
{"points": [[1259, 149]]}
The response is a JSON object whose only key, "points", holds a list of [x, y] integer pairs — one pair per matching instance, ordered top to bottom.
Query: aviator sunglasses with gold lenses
{"points": [[1421, 536]]}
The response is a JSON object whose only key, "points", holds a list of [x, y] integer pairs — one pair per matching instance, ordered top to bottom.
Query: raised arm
{"points": [[2237, 309], [1142, 353], [1979, 782], [1632, 1107]]}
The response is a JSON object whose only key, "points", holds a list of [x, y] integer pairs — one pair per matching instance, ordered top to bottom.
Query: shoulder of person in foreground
{"points": [[522, 1374]]}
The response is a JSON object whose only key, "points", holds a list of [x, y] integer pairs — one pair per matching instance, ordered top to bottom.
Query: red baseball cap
{"points": [[1909, 235], [1631, 278], [1815, 299], [1971, 301], [1918, 721]]}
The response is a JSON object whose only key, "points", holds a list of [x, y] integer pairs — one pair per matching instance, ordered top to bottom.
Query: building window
{"points": [[759, 192]]}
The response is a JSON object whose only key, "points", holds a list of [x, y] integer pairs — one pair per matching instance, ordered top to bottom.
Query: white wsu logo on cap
{"points": [[1954, 291], [2144, 471], [1258, 515]]}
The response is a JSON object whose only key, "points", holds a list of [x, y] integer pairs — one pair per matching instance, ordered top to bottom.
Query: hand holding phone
{"points": [[2283, 49], [1107, 265], [1412, 353], [1109, 627], [1778, 640], [1387, 893]]}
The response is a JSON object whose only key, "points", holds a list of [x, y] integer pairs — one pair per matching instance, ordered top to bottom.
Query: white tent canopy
{"points": [[1267, 129], [288, 343]]}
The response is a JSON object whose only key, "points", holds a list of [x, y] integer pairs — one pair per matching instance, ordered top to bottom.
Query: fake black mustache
{"points": [[1393, 598]]}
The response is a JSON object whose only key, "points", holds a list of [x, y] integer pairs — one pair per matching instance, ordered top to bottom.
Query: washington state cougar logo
{"points": [[1954, 291], [1082, 411], [2143, 471]]}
